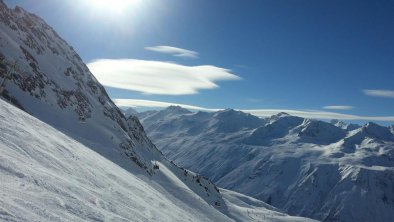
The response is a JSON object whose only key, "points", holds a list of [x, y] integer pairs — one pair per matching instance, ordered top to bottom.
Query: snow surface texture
{"points": [[87, 161], [330, 172], [48, 176]]}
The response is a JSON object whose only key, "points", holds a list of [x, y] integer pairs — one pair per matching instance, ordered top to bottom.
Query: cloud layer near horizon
{"points": [[179, 52], [157, 77], [379, 93], [156, 104], [338, 107], [257, 112]]}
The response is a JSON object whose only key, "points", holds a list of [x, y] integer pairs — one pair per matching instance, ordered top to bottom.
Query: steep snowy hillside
{"points": [[48, 79], [304, 167], [49, 176]]}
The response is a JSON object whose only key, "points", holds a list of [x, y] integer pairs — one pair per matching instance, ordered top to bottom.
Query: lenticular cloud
{"points": [[179, 52], [157, 77]]}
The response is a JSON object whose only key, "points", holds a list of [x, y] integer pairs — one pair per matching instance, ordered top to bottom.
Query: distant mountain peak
{"points": [[177, 109], [130, 112], [230, 112], [282, 114], [275, 117], [286, 119], [230, 120], [345, 126], [372, 127], [377, 131], [320, 132]]}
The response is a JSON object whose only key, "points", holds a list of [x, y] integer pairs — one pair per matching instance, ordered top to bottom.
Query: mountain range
{"points": [[326, 171]]}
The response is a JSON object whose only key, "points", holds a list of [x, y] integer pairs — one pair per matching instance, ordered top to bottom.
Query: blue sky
{"points": [[292, 55]]}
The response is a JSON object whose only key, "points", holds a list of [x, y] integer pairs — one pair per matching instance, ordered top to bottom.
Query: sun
{"points": [[112, 6]]}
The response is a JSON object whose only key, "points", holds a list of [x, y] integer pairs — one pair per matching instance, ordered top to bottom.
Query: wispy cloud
{"points": [[179, 52], [156, 77], [379, 93], [156, 104], [338, 107], [256, 112], [318, 115]]}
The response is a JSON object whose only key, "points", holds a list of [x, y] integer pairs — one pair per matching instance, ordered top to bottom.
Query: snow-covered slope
{"points": [[50, 81], [345, 126], [85, 160], [304, 167], [46, 175], [49, 176], [245, 208]]}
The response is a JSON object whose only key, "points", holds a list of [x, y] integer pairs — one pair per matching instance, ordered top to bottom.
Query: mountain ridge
{"points": [[301, 166]]}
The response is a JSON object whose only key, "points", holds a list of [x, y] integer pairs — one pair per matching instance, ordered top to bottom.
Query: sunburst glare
{"points": [[114, 7]]}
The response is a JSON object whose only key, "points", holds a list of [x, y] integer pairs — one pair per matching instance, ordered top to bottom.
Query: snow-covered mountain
{"points": [[50, 81], [130, 112], [220, 122], [345, 126], [82, 159], [302, 166], [49, 176]]}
